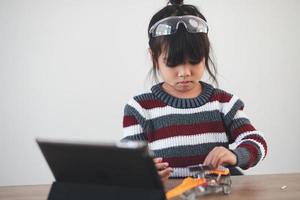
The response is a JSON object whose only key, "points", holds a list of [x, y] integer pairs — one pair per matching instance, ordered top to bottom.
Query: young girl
{"points": [[186, 121]]}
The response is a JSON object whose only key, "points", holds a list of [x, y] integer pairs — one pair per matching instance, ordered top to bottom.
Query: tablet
{"points": [[123, 164]]}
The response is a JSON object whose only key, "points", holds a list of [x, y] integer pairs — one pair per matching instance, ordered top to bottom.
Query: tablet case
{"points": [[101, 171], [74, 191]]}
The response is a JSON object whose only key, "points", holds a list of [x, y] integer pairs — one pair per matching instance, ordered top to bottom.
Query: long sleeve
{"points": [[133, 122], [250, 145]]}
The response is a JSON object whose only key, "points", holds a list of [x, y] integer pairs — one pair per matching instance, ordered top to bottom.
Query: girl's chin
{"points": [[184, 88]]}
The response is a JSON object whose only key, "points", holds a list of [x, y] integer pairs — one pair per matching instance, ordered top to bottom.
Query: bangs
{"points": [[182, 47]]}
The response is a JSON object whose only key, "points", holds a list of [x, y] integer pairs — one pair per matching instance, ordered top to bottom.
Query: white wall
{"points": [[68, 67]]}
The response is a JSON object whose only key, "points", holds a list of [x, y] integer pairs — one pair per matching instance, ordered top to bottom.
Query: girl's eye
{"points": [[194, 62]]}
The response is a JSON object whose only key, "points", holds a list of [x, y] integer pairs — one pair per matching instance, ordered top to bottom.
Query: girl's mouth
{"points": [[184, 82]]}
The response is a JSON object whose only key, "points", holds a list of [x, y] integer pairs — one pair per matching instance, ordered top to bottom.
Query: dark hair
{"points": [[182, 45]]}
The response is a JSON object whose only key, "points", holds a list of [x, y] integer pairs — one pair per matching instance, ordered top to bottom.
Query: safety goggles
{"points": [[169, 25]]}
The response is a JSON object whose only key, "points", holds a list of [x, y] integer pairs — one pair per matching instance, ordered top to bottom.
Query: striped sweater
{"points": [[184, 131]]}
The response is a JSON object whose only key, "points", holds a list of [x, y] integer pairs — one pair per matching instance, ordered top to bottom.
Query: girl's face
{"points": [[182, 80]]}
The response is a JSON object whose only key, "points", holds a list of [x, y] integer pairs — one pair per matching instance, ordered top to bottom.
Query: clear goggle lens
{"points": [[169, 25]]}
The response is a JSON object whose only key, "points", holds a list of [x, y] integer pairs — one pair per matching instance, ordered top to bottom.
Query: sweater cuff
{"points": [[243, 157]]}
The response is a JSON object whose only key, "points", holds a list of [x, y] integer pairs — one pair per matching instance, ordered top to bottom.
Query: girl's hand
{"points": [[220, 155], [163, 168]]}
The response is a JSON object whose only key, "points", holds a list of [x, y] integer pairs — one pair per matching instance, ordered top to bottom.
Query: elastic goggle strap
{"points": [[169, 25]]}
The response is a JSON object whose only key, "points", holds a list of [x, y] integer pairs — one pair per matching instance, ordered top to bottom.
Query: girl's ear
{"points": [[203, 60]]}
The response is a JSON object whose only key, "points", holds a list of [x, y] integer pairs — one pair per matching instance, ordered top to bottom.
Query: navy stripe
{"points": [[230, 115], [184, 119], [239, 122], [137, 137], [259, 155], [243, 156]]}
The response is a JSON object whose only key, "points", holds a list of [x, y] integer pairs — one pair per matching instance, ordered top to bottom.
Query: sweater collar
{"points": [[170, 100]]}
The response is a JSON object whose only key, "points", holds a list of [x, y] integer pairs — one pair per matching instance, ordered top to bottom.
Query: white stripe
{"points": [[132, 102], [228, 106], [168, 110], [240, 114], [132, 130], [245, 134], [188, 140], [240, 140], [180, 172], [183, 172]]}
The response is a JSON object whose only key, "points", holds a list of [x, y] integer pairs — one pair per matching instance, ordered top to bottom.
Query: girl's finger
{"points": [[218, 155], [208, 158], [228, 158], [157, 160], [221, 161], [161, 166], [164, 174]]}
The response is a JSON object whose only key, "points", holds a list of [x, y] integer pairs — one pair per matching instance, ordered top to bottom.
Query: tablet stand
{"points": [[75, 191]]}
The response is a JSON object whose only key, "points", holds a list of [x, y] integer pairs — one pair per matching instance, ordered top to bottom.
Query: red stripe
{"points": [[221, 97], [148, 104], [129, 121], [244, 128], [190, 129], [259, 140], [253, 153], [185, 161]]}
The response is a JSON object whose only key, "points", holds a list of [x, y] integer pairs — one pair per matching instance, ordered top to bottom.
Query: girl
{"points": [[186, 121]]}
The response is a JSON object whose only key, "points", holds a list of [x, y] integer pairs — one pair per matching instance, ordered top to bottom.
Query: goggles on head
{"points": [[169, 25]]}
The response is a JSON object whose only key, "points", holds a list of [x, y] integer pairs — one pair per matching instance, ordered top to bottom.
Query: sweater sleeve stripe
{"points": [[230, 105], [233, 110], [240, 115], [129, 121], [239, 122], [242, 129], [132, 130], [138, 137], [260, 140], [254, 151]]}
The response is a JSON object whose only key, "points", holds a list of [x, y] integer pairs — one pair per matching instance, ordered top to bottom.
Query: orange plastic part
{"points": [[219, 171], [187, 184]]}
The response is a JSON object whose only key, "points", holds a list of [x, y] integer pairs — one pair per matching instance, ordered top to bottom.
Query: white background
{"points": [[68, 67]]}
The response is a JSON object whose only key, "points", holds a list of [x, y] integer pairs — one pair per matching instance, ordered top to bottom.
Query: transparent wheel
{"points": [[226, 189]]}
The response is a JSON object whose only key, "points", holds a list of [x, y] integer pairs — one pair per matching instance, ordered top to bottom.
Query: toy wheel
{"points": [[227, 180], [226, 189]]}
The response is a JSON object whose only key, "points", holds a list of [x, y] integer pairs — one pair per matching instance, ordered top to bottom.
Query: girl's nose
{"points": [[184, 71]]}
